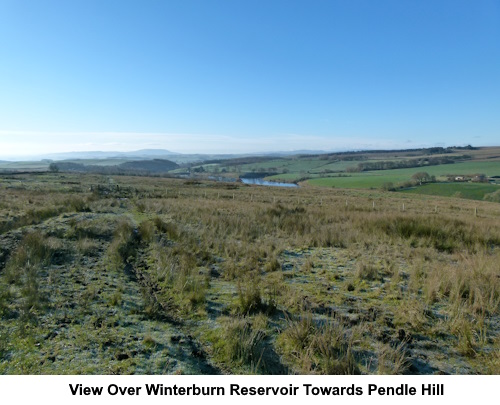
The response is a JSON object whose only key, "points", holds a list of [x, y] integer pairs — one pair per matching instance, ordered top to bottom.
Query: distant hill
{"points": [[138, 154], [143, 154], [149, 166], [154, 166]]}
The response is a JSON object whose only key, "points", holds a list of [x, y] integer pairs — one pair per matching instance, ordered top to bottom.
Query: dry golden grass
{"points": [[234, 259]]}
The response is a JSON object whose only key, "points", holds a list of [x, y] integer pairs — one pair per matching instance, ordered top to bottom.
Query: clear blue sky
{"points": [[247, 76]]}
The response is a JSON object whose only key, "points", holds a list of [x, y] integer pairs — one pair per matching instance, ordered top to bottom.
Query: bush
{"points": [[388, 186]]}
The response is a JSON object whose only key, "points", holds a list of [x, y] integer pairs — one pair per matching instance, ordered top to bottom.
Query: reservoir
{"points": [[261, 182]]}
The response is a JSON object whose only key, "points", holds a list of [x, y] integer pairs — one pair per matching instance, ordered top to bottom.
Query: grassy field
{"points": [[44, 165], [299, 165], [25, 166], [339, 170], [375, 179], [472, 191], [119, 275]]}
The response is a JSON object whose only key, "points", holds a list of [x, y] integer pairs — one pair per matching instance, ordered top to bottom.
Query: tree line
{"points": [[404, 164]]}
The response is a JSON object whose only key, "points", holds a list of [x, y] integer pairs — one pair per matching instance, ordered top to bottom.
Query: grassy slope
{"points": [[485, 160], [24, 165], [294, 165], [314, 171], [326, 173], [375, 179], [463, 190], [205, 279]]}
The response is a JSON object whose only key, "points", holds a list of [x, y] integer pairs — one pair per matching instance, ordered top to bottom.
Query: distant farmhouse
{"points": [[474, 178]]}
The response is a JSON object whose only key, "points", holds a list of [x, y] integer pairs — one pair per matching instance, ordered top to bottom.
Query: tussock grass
{"points": [[77, 204], [31, 216], [90, 228], [167, 228], [444, 234], [87, 247], [123, 248], [34, 250], [266, 266], [366, 271], [23, 273], [471, 281], [251, 299], [411, 312], [238, 343], [317, 348], [393, 360]]}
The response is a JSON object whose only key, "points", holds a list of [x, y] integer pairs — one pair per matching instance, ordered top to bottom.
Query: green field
{"points": [[99, 162], [292, 165], [25, 166], [339, 166], [301, 167], [334, 170], [315, 171], [325, 173], [375, 179], [473, 191]]}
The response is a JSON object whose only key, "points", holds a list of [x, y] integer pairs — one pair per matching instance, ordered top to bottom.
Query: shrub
{"points": [[388, 186]]}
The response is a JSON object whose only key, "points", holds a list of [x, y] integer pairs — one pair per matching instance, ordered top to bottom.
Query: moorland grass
{"points": [[263, 280]]}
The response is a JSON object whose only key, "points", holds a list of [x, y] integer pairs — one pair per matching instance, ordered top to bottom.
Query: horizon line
{"points": [[45, 156]]}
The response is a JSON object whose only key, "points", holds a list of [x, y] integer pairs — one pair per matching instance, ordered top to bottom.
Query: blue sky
{"points": [[247, 76]]}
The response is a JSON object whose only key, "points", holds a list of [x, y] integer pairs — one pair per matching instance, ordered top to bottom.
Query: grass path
{"points": [[92, 320]]}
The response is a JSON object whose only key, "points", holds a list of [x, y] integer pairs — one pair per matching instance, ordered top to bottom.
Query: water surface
{"points": [[262, 182]]}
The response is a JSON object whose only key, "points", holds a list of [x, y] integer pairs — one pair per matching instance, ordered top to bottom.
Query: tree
{"points": [[54, 168], [421, 177], [480, 178], [388, 186]]}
